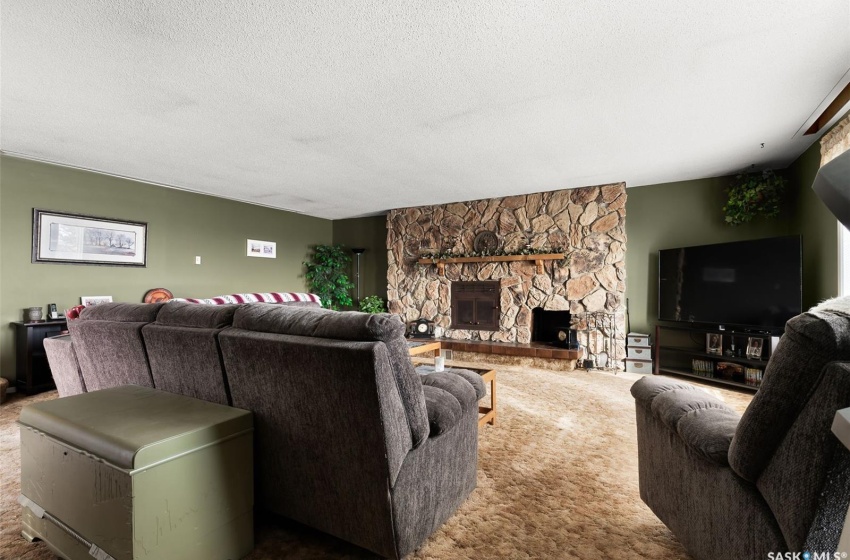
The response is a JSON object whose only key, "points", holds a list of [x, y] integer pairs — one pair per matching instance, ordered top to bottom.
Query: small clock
{"points": [[423, 328], [567, 338]]}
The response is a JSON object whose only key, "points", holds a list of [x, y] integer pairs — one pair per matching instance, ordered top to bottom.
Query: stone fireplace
{"points": [[587, 224]]}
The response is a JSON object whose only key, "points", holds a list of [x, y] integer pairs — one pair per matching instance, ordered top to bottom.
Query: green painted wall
{"points": [[690, 213], [181, 225], [819, 229], [371, 234]]}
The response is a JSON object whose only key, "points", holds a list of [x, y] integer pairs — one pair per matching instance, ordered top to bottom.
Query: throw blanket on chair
{"points": [[266, 297]]}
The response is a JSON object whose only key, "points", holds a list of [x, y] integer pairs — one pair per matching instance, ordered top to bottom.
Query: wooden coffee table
{"points": [[421, 346], [488, 376]]}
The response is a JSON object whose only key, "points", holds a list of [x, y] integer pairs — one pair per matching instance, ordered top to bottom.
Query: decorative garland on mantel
{"points": [[496, 253]]}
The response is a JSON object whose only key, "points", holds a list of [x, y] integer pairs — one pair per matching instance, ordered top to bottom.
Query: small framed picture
{"points": [[262, 249], [95, 300], [714, 343], [754, 348]]}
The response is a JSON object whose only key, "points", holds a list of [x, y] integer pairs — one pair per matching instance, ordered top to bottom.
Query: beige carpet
{"points": [[557, 479]]}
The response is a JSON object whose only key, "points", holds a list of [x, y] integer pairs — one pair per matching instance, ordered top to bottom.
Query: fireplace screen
{"points": [[476, 306]]}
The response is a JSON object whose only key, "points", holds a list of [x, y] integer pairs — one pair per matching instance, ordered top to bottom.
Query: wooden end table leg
{"points": [[489, 412]]}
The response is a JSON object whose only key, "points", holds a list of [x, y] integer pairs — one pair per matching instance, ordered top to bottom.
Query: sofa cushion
{"points": [[123, 312], [182, 314], [318, 322], [347, 325], [444, 410], [709, 431]]}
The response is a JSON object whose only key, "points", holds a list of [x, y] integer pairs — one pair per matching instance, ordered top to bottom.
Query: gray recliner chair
{"points": [[775, 479]]}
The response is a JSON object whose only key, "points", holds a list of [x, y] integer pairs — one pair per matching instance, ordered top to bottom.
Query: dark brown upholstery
{"points": [[183, 350], [64, 366], [732, 486]]}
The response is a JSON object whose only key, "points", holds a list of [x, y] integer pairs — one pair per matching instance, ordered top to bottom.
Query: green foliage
{"points": [[754, 194], [495, 253], [327, 277], [373, 304]]}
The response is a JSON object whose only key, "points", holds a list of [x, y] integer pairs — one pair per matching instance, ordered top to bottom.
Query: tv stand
{"points": [[712, 354]]}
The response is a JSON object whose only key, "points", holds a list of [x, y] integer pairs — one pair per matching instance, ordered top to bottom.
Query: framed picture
{"points": [[62, 238], [262, 249], [95, 300], [714, 343], [754, 348]]}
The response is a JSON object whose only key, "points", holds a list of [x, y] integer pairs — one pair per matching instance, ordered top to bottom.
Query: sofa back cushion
{"points": [[183, 314], [353, 326], [109, 345], [184, 353], [793, 374], [320, 406]]}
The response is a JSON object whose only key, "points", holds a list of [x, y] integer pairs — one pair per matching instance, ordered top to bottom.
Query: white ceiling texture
{"points": [[348, 108]]}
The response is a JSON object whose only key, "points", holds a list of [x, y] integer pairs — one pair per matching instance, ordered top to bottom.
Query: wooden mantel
{"points": [[538, 260]]}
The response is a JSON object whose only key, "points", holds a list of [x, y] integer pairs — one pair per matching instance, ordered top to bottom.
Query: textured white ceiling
{"points": [[343, 108]]}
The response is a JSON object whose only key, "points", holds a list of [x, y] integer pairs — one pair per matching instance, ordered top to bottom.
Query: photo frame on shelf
{"points": [[63, 238], [88, 301], [714, 343], [755, 346]]}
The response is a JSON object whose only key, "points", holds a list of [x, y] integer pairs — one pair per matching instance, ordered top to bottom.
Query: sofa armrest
{"points": [[461, 387], [448, 396], [444, 410], [703, 423], [709, 432]]}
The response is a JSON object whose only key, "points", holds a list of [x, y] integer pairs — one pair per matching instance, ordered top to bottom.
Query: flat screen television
{"points": [[751, 285]]}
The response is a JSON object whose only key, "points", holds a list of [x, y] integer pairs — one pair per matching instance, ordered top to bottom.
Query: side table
{"points": [[31, 366]]}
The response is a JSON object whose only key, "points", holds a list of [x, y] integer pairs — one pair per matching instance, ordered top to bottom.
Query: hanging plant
{"points": [[754, 194], [326, 275]]}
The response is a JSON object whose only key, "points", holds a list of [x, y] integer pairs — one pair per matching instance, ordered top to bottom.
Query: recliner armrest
{"points": [[448, 396], [443, 410], [704, 423], [709, 432]]}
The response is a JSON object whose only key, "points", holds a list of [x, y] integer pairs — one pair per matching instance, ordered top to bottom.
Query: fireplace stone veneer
{"points": [[587, 223]]}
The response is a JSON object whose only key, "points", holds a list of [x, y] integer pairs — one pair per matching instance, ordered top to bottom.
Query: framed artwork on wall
{"points": [[63, 238], [262, 249], [88, 301]]}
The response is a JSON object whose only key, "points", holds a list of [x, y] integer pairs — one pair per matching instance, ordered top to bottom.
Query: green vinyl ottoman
{"points": [[132, 472]]}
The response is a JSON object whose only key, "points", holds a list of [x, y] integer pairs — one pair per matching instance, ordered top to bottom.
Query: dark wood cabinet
{"points": [[33, 371]]}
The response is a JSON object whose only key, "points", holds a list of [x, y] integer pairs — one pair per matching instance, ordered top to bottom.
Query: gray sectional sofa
{"points": [[349, 438], [772, 480]]}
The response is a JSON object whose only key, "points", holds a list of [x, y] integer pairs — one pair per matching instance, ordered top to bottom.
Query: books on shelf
{"points": [[704, 368], [752, 376]]}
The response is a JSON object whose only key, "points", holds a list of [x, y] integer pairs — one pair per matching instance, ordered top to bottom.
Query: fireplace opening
{"points": [[476, 306], [546, 324]]}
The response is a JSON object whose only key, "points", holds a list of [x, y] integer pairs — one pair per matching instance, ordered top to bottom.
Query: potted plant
{"points": [[754, 194], [326, 275], [373, 304]]}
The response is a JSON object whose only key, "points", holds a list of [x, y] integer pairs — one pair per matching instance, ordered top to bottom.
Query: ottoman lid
{"points": [[135, 427]]}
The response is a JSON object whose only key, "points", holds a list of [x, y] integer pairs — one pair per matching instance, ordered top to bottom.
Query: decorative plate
{"points": [[485, 241], [157, 295]]}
